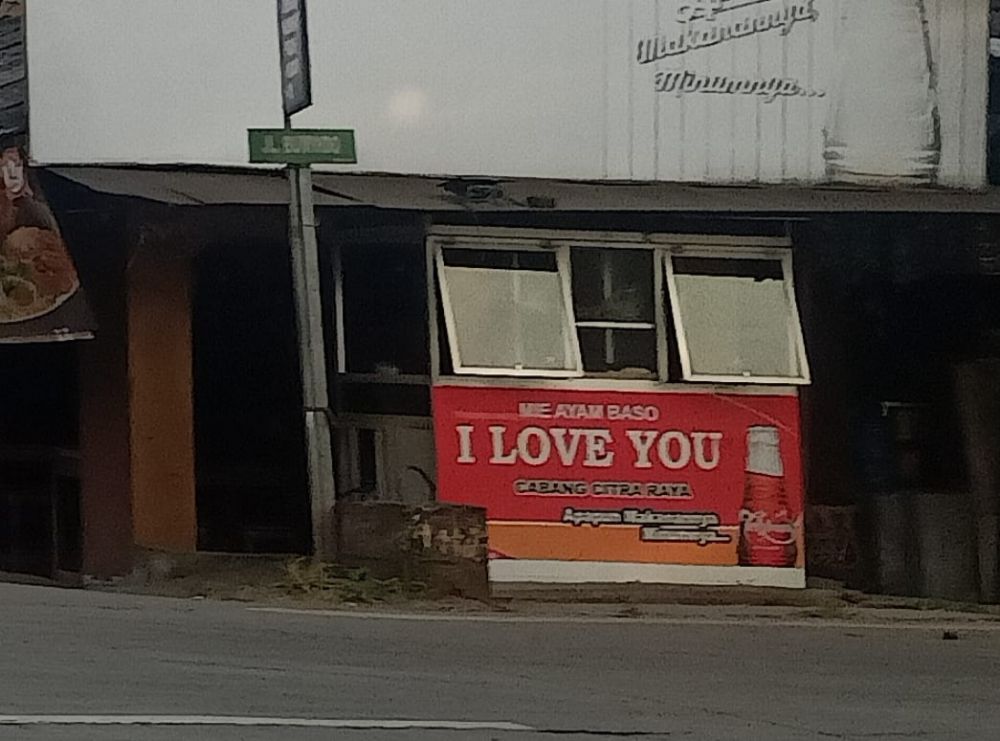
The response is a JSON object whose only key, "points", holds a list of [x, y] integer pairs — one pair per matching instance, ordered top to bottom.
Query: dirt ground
{"points": [[302, 584]]}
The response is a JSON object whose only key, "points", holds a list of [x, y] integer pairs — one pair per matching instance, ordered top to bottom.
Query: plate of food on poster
{"points": [[37, 273]]}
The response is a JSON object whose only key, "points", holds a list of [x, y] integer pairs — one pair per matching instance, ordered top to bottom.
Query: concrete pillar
{"points": [[161, 399], [979, 405], [946, 546]]}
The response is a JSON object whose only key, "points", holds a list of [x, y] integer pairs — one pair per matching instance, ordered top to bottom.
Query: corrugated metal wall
{"points": [[524, 88], [732, 138]]}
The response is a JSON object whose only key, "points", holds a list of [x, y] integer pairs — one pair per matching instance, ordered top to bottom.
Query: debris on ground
{"points": [[308, 577], [305, 583]]}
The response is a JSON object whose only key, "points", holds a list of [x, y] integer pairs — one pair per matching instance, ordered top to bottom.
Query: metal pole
{"points": [[312, 358]]}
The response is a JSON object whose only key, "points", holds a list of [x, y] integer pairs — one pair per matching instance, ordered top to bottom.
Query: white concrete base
{"points": [[602, 572]]}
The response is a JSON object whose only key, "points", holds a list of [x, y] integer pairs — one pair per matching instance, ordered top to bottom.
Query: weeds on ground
{"points": [[308, 577]]}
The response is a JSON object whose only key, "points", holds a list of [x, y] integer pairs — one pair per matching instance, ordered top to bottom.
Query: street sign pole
{"points": [[297, 95], [312, 358]]}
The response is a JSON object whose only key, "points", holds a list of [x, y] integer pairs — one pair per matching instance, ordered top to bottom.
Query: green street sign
{"points": [[303, 146]]}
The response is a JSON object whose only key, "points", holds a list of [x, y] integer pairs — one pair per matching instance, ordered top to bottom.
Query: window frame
{"points": [[488, 244], [662, 245], [782, 255], [657, 326]]}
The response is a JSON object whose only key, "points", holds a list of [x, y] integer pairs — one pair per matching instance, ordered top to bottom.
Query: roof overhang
{"points": [[188, 186]]}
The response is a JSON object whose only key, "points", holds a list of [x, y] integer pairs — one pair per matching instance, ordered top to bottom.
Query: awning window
{"points": [[652, 307], [508, 311], [735, 316]]}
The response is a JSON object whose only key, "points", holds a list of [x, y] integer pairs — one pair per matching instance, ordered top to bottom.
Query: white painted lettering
{"points": [[542, 410], [524, 440], [642, 441], [465, 444], [566, 450], [683, 450], [597, 454], [500, 457], [703, 461]]}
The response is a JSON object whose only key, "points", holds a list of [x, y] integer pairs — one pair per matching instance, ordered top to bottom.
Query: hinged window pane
{"points": [[507, 311], [736, 319], [545, 328]]}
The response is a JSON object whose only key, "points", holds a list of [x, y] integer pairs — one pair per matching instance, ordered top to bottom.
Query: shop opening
{"points": [[250, 467], [40, 531]]}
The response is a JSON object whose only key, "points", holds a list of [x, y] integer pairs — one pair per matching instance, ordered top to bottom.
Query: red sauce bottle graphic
{"points": [[768, 531]]}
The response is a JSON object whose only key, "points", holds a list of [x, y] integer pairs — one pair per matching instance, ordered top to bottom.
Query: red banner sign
{"points": [[639, 477]]}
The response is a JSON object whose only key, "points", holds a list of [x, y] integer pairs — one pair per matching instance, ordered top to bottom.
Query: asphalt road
{"points": [[74, 653]]}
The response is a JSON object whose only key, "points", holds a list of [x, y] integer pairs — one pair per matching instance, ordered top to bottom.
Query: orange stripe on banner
{"points": [[562, 542]]}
